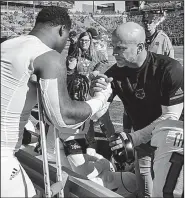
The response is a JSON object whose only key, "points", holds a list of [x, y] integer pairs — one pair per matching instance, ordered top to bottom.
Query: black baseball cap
{"points": [[148, 17], [72, 34], [95, 35]]}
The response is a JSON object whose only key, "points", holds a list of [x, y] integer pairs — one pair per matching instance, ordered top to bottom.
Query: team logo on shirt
{"points": [[139, 93]]}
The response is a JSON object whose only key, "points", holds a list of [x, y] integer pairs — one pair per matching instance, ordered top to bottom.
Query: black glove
{"points": [[122, 147]]}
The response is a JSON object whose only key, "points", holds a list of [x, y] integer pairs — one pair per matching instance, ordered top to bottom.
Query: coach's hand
{"points": [[99, 82], [116, 142], [122, 146]]}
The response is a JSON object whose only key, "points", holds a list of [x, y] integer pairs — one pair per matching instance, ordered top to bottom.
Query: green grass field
{"points": [[116, 108]]}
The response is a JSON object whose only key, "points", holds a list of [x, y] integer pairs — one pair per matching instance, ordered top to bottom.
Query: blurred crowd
{"points": [[20, 20], [173, 26]]}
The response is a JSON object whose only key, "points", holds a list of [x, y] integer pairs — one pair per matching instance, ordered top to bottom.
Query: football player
{"points": [[37, 53]]}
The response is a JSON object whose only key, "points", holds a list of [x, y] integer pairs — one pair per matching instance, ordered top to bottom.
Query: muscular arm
{"points": [[62, 111], [168, 113]]}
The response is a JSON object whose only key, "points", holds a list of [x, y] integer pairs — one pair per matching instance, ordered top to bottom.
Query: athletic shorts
{"points": [[102, 172], [14, 180]]}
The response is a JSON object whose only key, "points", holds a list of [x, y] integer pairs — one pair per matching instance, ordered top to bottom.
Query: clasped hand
{"points": [[99, 83]]}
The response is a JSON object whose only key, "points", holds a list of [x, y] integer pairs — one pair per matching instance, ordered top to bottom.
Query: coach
{"points": [[157, 41], [149, 85]]}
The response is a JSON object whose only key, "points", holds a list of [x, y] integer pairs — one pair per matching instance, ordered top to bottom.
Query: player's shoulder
{"points": [[53, 56], [49, 58], [49, 63]]}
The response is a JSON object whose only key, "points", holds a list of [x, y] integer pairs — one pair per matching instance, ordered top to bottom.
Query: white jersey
{"points": [[161, 44], [18, 95], [169, 159]]}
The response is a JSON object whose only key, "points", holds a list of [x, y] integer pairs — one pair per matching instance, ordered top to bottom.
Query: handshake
{"points": [[100, 85], [100, 90]]}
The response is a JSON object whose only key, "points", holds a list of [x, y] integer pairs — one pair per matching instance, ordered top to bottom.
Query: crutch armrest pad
{"points": [[56, 188]]}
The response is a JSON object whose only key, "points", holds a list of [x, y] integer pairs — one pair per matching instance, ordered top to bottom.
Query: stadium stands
{"points": [[18, 19], [109, 21]]}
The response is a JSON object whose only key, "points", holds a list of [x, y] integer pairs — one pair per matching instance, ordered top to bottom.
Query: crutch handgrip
{"points": [[33, 78], [56, 188]]}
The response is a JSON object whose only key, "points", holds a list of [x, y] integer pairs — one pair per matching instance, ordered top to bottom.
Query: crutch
{"points": [[58, 160], [56, 187]]}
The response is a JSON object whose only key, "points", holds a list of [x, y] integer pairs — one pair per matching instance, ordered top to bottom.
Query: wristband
{"points": [[96, 104]]}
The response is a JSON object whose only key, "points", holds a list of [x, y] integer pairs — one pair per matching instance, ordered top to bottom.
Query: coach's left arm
{"points": [[172, 97]]}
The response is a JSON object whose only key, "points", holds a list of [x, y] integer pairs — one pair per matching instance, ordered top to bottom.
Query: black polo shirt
{"points": [[159, 81]]}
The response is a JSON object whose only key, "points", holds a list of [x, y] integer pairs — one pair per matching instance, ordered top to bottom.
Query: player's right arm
{"points": [[61, 110], [103, 115]]}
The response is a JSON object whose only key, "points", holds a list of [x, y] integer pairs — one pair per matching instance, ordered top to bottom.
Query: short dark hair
{"points": [[53, 16]]}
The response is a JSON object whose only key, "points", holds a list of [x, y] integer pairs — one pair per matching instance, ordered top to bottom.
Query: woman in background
{"points": [[85, 58]]}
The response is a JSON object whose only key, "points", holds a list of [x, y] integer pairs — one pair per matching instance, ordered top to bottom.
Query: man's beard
{"points": [[130, 60], [126, 62]]}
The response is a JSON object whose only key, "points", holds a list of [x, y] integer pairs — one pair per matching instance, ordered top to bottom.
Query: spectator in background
{"points": [[156, 40], [73, 41], [98, 42], [85, 58]]}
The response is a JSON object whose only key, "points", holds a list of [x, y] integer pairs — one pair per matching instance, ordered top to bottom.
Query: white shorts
{"points": [[102, 172], [14, 180]]}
